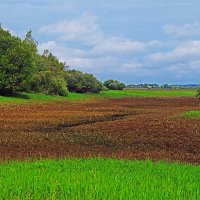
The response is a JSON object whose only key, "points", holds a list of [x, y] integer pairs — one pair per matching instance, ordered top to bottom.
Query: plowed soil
{"points": [[129, 128]]}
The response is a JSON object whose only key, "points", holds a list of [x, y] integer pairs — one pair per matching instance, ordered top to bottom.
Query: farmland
{"points": [[131, 128], [70, 135]]}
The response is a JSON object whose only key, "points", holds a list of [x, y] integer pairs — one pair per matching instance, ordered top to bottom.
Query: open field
{"points": [[127, 127], [131, 128], [98, 179]]}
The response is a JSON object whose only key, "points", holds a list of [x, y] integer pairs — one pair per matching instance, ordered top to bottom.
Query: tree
{"points": [[16, 62], [48, 76], [82, 82], [114, 85]]}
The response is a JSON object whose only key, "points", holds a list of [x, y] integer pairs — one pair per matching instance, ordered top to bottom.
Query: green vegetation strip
{"points": [[148, 93], [27, 97], [192, 114], [98, 179]]}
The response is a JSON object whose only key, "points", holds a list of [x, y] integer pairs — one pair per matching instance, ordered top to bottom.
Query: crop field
{"points": [[131, 128], [93, 145]]}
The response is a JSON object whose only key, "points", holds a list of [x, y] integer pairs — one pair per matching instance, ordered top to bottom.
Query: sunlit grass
{"points": [[148, 93], [34, 97], [98, 179]]}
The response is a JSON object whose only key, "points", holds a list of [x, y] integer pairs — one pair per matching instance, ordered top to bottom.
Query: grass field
{"points": [[33, 97], [99, 179]]}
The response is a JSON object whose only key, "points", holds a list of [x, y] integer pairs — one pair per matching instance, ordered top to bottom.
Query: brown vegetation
{"points": [[131, 128]]}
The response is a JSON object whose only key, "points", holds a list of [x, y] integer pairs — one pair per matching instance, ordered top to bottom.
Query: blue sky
{"points": [[134, 41]]}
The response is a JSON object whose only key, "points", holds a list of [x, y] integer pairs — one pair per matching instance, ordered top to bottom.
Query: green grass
{"points": [[148, 93], [33, 97], [192, 114], [98, 179]]}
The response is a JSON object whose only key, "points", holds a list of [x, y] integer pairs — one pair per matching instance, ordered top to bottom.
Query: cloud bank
{"points": [[83, 45]]}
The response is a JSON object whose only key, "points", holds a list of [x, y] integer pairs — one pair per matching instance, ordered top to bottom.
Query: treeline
{"points": [[23, 69], [165, 86]]}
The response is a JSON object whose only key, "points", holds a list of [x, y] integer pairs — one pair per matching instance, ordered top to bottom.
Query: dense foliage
{"points": [[16, 62], [22, 68], [48, 76], [82, 82], [114, 85], [198, 92]]}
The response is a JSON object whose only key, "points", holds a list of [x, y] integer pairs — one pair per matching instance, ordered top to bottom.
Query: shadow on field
{"points": [[19, 95]]}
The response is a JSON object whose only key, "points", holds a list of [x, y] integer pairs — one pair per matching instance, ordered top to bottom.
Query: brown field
{"points": [[131, 128]]}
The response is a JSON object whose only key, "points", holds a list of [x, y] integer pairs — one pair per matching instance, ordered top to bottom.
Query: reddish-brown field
{"points": [[131, 128]]}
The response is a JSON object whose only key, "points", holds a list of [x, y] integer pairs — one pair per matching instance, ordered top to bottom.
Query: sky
{"points": [[133, 41]]}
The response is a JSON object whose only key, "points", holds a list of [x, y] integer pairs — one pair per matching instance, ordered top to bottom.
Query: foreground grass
{"points": [[33, 97], [192, 114], [98, 179]]}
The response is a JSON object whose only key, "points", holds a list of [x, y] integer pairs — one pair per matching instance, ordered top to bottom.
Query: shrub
{"points": [[82, 82], [114, 85]]}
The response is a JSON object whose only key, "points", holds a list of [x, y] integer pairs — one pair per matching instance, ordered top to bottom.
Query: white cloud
{"points": [[84, 28], [184, 30], [155, 44], [115, 45], [60, 50], [183, 52], [100, 53], [78, 58]]}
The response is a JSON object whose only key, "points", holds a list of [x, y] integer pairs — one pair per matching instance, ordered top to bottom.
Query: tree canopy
{"points": [[16, 62], [82, 82]]}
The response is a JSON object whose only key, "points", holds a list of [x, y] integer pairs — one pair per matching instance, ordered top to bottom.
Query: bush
{"points": [[44, 82], [82, 82], [114, 85], [58, 87]]}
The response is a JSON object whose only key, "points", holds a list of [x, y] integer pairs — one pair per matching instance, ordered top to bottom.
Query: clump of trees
{"points": [[17, 62], [23, 69], [48, 76], [82, 82], [114, 85]]}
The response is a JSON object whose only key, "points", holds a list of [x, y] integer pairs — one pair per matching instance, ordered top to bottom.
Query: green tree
{"points": [[16, 62], [48, 76], [82, 82], [114, 85]]}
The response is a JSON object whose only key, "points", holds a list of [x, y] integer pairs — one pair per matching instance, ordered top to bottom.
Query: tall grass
{"points": [[98, 179]]}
